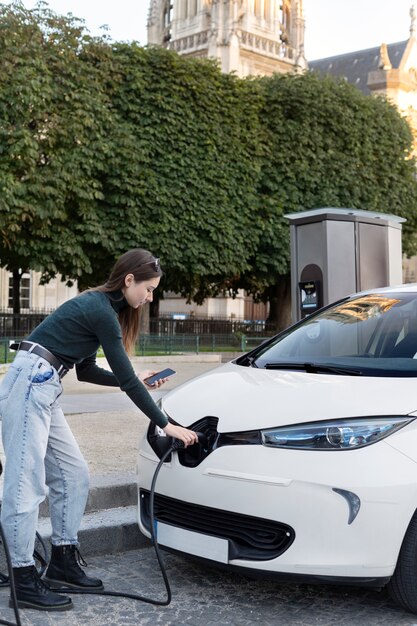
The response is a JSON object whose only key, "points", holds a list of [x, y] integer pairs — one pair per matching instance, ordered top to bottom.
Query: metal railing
{"points": [[20, 325], [209, 326], [169, 344], [153, 345], [5, 352]]}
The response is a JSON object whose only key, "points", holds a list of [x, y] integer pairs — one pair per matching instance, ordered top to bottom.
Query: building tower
{"points": [[248, 37], [389, 70]]}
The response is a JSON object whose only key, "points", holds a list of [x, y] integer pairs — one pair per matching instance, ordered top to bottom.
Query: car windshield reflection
{"points": [[371, 335]]}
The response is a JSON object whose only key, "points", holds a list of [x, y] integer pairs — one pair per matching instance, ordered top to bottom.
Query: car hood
{"points": [[246, 398]]}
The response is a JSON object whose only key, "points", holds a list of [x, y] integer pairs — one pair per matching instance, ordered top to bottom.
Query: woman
{"points": [[39, 446]]}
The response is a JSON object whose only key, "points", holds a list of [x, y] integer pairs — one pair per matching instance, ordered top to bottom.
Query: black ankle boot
{"points": [[64, 569], [33, 593]]}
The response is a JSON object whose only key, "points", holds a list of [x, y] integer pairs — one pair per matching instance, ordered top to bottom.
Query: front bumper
{"points": [[295, 489], [248, 537]]}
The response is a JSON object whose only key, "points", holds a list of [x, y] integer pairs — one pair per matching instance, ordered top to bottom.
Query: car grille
{"points": [[251, 538]]}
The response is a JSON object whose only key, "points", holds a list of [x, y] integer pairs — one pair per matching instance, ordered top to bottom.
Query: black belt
{"points": [[35, 348]]}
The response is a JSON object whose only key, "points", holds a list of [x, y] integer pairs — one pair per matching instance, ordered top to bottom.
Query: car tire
{"points": [[403, 585]]}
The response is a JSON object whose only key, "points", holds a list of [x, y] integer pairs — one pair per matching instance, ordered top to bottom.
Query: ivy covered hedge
{"points": [[105, 146]]}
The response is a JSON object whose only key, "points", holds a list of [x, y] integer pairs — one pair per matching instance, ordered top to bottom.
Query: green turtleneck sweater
{"points": [[74, 332]]}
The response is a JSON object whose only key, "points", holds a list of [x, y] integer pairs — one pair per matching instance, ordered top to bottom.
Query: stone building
{"points": [[248, 37], [389, 70], [34, 297]]}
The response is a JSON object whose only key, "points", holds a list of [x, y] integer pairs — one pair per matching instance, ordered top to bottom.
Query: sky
{"points": [[332, 26]]}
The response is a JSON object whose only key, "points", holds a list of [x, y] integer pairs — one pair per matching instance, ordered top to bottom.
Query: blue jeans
{"points": [[40, 451]]}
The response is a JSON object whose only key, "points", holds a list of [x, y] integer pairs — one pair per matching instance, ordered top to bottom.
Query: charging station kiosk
{"points": [[336, 252]]}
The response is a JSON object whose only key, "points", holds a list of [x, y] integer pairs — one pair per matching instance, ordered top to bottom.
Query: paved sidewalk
{"points": [[203, 595]]}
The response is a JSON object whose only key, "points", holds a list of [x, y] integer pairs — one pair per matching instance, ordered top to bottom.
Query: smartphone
{"points": [[151, 380]]}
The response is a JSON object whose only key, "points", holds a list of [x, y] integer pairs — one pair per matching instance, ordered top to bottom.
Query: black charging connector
{"points": [[179, 445]]}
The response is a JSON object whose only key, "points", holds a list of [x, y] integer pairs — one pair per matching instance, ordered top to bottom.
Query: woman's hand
{"points": [[146, 374], [187, 436]]}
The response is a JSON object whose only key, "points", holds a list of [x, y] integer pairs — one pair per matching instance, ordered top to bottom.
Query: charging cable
{"points": [[176, 445], [9, 580], [5, 581], [116, 594]]}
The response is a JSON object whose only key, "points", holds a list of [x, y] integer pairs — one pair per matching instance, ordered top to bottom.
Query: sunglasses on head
{"points": [[155, 264]]}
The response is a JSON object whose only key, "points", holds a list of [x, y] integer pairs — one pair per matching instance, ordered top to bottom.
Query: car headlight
{"points": [[341, 434]]}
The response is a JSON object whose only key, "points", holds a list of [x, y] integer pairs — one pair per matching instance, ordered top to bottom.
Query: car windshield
{"points": [[370, 335]]}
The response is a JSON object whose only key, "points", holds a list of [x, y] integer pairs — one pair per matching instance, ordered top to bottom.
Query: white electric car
{"points": [[307, 465]]}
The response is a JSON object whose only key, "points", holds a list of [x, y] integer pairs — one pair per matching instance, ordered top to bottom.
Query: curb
{"points": [[211, 357], [107, 491], [110, 523], [104, 532]]}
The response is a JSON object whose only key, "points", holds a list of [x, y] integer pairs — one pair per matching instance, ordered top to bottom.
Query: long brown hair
{"points": [[144, 266]]}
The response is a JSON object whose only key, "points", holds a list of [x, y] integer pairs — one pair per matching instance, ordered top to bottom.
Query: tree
{"points": [[53, 137], [326, 144], [115, 146], [184, 166]]}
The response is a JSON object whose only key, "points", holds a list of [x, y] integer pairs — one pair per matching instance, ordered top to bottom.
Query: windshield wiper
{"points": [[314, 368]]}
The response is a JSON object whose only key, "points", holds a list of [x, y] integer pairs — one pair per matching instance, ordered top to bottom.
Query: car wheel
{"points": [[403, 585]]}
